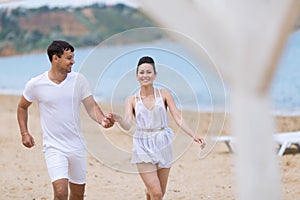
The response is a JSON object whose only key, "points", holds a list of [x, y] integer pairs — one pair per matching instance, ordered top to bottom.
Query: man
{"points": [[59, 93]]}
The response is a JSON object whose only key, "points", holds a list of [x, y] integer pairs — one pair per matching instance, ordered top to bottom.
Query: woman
{"points": [[152, 150]]}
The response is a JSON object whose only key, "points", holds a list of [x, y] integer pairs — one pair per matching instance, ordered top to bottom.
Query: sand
{"points": [[24, 175]]}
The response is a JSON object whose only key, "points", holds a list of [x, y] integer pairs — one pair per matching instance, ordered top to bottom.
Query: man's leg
{"points": [[57, 165], [77, 174], [60, 189], [76, 191]]}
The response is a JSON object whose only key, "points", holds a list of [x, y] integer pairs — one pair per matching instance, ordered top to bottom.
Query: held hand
{"points": [[116, 117], [108, 121], [27, 140], [200, 141]]}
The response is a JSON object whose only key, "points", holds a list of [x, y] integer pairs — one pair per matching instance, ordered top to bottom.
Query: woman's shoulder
{"points": [[164, 92], [131, 99]]}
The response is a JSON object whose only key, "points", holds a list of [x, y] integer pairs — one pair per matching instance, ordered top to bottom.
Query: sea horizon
{"points": [[111, 72]]}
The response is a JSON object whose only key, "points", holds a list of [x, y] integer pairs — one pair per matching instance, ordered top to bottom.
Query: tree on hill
{"points": [[27, 30]]}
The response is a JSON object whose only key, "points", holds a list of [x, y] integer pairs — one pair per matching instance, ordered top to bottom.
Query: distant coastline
{"points": [[30, 30]]}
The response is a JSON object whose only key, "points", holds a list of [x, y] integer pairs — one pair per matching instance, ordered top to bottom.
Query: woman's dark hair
{"points": [[57, 47], [146, 59]]}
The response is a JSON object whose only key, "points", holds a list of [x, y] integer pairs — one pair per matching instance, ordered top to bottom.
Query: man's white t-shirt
{"points": [[59, 109]]}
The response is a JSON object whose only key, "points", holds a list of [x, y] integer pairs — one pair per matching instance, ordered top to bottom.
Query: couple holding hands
{"points": [[59, 93]]}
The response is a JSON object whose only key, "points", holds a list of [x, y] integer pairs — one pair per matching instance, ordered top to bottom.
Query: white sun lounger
{"points": [[227, 140], [284, 140]]}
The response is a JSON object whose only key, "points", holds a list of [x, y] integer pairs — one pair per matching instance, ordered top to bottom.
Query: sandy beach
{"points": [[24, 174]]}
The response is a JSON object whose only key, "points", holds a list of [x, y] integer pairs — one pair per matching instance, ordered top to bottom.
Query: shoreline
{"points": [[274, 113]]}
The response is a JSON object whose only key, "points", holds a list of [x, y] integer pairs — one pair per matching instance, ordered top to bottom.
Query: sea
{"points": [[111, 72]]}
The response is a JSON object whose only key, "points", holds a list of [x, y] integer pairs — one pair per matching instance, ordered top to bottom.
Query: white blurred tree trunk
{"points": [[245, 39]]}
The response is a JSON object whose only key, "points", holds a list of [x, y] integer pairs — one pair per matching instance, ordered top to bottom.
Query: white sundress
{"points": [[152, 140]]}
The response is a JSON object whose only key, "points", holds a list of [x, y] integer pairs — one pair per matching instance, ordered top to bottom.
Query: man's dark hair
{"points": [[57, 47]]}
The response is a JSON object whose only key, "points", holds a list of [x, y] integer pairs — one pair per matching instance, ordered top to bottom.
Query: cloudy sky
{"points": [[58, 3]]}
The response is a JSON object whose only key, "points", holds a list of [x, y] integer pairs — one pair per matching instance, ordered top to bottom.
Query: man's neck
{"points": [[56, 76]]}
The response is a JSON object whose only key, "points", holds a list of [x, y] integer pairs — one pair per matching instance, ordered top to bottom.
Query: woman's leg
{"points": [[149, 175], [163, 175], [147, 195]]}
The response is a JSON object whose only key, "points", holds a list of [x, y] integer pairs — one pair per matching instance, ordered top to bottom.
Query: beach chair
{"points": [[227, 140], [284, 140]]}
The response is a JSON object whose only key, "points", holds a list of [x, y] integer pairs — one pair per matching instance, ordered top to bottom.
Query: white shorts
{"points": [[155, 148], [69, 165]]}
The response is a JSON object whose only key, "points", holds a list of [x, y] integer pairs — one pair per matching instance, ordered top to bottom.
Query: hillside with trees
{"points": [[31, 30]]}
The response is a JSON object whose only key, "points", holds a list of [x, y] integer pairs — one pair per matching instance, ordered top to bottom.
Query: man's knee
{"points": [[60, 188], [61, 194]]}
